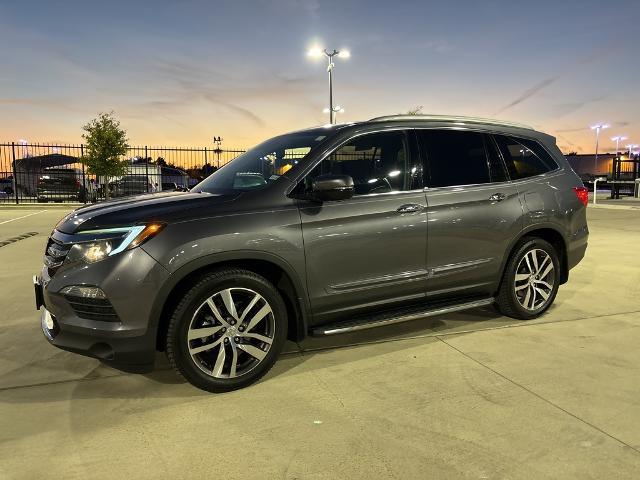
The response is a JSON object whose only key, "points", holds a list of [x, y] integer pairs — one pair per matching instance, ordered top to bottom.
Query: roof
{"points": [[450, 119]]}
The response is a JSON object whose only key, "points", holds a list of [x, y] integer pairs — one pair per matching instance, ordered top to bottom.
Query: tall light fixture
{"points": [[316, 52], [597, 128], [618, 139], [631, 147]]}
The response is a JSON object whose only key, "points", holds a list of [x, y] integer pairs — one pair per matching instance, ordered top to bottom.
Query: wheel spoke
{"points": [[526, 259], [534, 260], [542, 265], [547, 270], [520, 277], [544, 284], [522, 287], [542, 293], [533, 299], [525, 301], [228, 302], [252, 303], [216, 312], [263, 312], [203, 332], [257, 336], [204, 348], [255, 352], [234, 360], [217, 368]]}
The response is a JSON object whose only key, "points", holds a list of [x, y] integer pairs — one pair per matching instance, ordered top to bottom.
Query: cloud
{"points": [[529, 93]]}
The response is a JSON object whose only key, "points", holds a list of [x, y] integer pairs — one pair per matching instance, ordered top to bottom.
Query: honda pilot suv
{"points": [[317, 232]]}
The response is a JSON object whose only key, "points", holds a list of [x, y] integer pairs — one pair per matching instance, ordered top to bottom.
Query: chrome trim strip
{"points": [[461, 265], [380, 281], [406, 318]]}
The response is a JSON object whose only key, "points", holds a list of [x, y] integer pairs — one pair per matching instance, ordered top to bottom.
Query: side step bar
{"points": [[390, 318]]}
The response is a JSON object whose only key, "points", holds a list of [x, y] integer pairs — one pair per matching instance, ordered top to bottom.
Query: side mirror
{"points": [[333, 187]]}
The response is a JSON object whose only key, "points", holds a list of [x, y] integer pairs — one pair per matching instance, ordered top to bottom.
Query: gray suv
{"points": [[317, 232]]}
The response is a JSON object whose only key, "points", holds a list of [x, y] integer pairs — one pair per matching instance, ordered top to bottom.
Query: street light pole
{"points": [[315, 52], [332, 114], [597, 128], [618, 139]]}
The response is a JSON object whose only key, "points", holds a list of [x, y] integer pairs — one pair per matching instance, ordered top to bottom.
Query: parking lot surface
{"points": [[466, 395]]}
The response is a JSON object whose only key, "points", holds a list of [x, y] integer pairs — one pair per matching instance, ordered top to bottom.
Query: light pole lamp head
{"points": [[600, 126]]}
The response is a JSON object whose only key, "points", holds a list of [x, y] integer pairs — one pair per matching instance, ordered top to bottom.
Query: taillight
{"points": [[583, 194]]}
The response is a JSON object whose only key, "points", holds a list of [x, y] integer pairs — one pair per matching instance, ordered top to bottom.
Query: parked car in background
{"points": [[60, 184], [6, 185], [131, 185], [170, 187], [317, 232]]}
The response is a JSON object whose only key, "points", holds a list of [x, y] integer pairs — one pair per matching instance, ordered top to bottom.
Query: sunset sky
{"points": [[178, 73]]}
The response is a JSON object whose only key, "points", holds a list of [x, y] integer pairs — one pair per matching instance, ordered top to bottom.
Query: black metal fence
{"points": [[34, 172], [625, 176]]}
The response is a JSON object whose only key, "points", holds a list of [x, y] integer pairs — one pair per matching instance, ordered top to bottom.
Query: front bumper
{"points": [[131, 281]]}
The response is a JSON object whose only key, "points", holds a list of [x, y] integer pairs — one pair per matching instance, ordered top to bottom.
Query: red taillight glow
{"points": [[583, 194]]}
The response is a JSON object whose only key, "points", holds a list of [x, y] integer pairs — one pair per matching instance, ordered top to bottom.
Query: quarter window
{"points": [[524, 158], [378, 163]]}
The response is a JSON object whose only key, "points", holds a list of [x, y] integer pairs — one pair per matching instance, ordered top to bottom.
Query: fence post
{"points": [[146, 167], [15, 175], [84, 178]]}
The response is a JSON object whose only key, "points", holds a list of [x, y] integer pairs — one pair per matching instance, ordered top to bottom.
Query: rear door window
{"points": [[455, 157], [524, 158]]}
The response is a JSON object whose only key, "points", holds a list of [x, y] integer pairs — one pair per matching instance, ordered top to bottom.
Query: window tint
{"points": [[455, 157], [524, 158], [378, 163]]}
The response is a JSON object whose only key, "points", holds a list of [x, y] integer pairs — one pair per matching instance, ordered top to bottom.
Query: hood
{"points": [[166, 207]]}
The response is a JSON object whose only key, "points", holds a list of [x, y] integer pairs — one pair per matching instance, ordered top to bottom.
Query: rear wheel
{"points": [[530, 280], [227, 330]]}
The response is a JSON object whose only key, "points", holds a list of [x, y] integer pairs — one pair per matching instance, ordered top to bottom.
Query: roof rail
{"points": [[451, 118]]}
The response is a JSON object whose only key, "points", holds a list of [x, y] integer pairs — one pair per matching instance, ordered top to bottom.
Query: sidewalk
{"points": [[603, 201]]}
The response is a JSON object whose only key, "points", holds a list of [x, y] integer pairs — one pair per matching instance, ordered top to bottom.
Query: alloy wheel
{"points": [[534, 279], [231, 332]]}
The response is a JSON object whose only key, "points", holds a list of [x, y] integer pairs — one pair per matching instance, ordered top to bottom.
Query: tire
{"points": [[521, 285], [243, 336]]}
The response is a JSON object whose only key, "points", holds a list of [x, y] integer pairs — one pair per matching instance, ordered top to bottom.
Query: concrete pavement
{"points": [[467, 395]]}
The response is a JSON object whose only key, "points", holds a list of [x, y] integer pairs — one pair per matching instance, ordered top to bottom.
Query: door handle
{"points": [[497, 197], [410, 208]]}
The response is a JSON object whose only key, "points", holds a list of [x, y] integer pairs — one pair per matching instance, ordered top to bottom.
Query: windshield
{"points": [[263, 164]]}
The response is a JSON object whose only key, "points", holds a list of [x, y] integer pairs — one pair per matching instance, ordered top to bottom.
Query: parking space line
{"points": [[20, 218]]}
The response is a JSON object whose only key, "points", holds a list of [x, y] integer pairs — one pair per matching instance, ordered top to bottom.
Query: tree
{"points": [[415, 111], [106, 144]]}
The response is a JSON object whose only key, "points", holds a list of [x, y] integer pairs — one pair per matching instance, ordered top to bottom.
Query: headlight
{"points": [[103, 243]]}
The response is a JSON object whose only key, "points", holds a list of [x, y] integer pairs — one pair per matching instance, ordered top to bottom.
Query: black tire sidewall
{"points": [[526, 246], [195, 297]]}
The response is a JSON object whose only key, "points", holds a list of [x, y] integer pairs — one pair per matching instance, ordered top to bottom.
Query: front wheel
{"points": [[530, 280], [227, 331]]}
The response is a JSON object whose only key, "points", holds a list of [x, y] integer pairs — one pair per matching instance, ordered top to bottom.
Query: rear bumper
{"points": [[577, 247]]}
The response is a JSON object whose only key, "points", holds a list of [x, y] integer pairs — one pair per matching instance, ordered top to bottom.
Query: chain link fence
{"points": [[36, 173]]}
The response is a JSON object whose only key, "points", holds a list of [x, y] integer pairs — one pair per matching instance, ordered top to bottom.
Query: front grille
{"points": [[55, 254], [93, 308]]}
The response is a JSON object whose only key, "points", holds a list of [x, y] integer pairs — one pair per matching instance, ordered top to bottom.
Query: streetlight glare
{"points": [[315, 52], [344, 53], [600, 126], [619, 138]]}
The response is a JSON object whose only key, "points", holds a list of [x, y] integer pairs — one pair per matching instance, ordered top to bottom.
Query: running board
{"points": [[390, 318]]}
